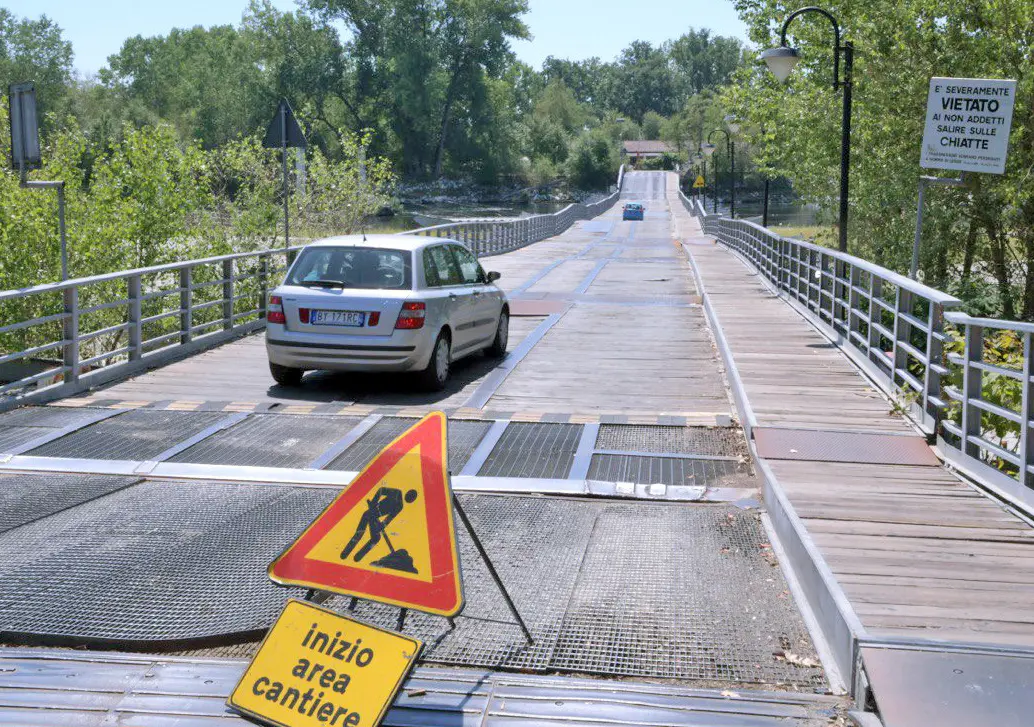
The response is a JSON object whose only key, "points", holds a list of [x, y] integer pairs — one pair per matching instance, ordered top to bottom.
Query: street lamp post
{"points": [[781, 62], [730, 147], [708, 151], [700, 162]]}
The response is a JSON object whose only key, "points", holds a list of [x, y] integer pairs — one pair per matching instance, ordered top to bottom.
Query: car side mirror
{"points": [[493, 276]]}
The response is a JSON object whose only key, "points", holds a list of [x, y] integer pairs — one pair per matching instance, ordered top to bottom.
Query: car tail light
{"points": [[275, 310], [303, 315], [412, 316], [373, 319]]}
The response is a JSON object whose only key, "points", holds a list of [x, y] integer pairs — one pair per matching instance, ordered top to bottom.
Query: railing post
{"points": [[263, 284], [227, 295], [854, 302], [186, 304], [135, 314], [875, 315], [901, 331], [70, 333], [935, 359], [972, 389], [1027, 413]]}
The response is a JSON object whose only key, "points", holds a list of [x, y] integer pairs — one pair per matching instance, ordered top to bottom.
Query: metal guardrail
{"points": [[495, 237], [892, 326], [84, 332], [58, 339], [968, 380], [987, 428]]}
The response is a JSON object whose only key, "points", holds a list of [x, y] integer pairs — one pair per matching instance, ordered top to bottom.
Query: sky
{"points": [[574, 29]]}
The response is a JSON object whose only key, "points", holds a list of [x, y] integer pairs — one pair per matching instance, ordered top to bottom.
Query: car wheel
{"points": [[502, 336], [285, 375], [436, 375]]}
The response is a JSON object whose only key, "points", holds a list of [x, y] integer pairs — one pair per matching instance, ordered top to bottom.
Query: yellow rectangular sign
{"points": [[317, 668]]}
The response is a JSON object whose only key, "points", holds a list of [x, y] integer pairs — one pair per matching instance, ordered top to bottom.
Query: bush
{"points": [[593, 162]]}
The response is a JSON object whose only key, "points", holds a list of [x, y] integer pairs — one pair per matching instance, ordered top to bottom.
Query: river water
{"points": [[415, 216]]}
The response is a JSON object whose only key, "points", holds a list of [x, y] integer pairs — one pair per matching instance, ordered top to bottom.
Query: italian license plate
{"points": [[355, 319]]}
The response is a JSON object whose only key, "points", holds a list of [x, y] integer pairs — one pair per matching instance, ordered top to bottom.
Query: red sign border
{"points": [[444, 594]]}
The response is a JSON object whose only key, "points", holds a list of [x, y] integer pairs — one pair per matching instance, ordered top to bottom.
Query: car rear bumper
{"points": [[402, 351]]}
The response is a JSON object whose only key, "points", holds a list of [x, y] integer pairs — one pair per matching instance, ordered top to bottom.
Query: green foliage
{"points": [[33, 50], [593, 162], [981, 233]]}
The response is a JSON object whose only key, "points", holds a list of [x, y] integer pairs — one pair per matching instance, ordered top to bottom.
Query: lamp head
{"points": [[781, 61], [733, 124], [708, 149]]}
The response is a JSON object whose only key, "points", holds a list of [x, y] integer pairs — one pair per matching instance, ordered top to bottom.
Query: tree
{"points": [[34, 50], [702, 61], [642, 81], [206, 82], [593, 161], [982, 232]]}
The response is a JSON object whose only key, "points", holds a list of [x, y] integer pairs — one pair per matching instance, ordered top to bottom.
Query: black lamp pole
{"points": [[845, 135], [730, 147]]}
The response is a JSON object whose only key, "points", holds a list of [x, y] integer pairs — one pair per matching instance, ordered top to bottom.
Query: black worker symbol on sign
{"points": [[385, 506]]}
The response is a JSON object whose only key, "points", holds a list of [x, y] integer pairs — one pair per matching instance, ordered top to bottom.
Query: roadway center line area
{"points": [[600, 463]]}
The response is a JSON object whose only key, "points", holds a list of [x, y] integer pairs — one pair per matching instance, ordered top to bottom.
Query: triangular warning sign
{"points": [[284, 130], [699, 182], [389, 536]]}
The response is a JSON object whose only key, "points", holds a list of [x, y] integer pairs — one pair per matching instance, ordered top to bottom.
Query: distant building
{"points": [[636, 150]]}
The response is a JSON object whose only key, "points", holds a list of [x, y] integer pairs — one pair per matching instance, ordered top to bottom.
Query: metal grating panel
{"points": [[53, 417], [135, 435], [11, 437], [463, 438], [270, 440], [705, 441], [826, 446], [529, 449], [669, 470], [24, 498], [161, 561], [539, 563], [641, 589], [677, 592], [682, 592]]}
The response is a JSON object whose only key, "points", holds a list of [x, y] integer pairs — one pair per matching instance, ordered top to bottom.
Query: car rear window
{"points": [[370, 268]]}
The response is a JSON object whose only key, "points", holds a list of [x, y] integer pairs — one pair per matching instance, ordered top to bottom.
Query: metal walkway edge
{"points": [[43, 687]]}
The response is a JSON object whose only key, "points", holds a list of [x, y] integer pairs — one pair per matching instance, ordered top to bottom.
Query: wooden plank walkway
{"points": [[917, 552]]}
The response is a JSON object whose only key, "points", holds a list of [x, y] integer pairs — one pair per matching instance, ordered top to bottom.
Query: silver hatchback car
{"points": [[384, 303]]}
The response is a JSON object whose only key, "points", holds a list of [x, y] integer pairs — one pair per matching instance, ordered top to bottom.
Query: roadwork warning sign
{"points": [[967, 124], [389, 536], [318, 668]]}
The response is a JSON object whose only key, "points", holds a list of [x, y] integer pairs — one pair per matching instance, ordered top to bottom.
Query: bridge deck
{"points": [[626, 311], [611, 327]]}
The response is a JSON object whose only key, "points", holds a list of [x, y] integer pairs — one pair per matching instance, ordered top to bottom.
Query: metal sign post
{"points": [[967, 129], [284, 132], [26, 155], [913, 271]]}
